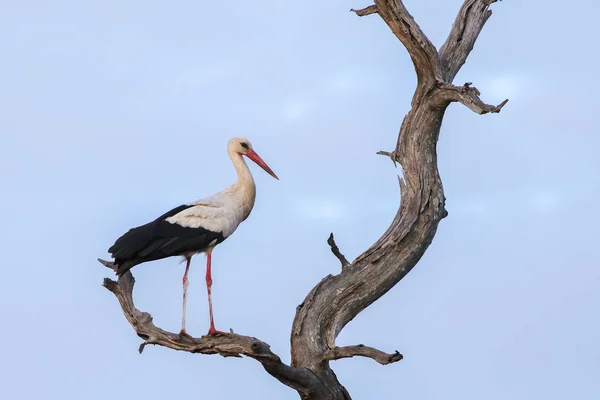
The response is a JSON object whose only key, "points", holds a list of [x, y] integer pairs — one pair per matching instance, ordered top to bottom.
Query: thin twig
{"points": [[365, 11], [386, 153], [391, 155], [336, 252], [108, 264]]}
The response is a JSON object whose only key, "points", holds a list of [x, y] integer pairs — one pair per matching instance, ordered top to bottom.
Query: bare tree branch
{"points": [[365, 11], [466, 28], [421, 50], [468, 96], [387, 153], [336, 251], [228, 345], [364, 351]]}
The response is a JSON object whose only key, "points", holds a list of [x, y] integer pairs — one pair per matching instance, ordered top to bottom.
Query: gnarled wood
{"points": [[337, 299]]}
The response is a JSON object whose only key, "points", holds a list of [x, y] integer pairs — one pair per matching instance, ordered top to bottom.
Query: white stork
{"points": [[194, 227]]}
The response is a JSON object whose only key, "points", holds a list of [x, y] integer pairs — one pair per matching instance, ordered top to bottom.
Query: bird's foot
{"points": [[213, 332], [184, 334]]}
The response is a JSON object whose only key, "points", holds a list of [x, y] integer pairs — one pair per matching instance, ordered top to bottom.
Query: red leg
{"points": [[185, 286], [211, 330]]}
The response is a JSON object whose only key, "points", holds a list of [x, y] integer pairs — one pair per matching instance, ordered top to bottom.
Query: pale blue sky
{"points": [[113, 112]]}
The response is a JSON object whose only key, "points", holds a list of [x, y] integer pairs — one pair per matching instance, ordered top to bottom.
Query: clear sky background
{"points": [[112, 112]]}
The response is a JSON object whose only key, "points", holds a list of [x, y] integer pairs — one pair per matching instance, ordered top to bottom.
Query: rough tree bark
{"points": [[337, 299]]}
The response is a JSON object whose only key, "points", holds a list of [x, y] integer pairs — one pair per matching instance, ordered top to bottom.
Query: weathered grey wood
{"points": [[466, 28], [337, 299], [363, 351]]}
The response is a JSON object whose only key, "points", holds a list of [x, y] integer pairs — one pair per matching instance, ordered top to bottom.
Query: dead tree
{"points": [[337, 299]]}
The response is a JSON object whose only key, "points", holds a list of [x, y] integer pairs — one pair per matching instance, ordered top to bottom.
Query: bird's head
{"points": [[242, 145]]}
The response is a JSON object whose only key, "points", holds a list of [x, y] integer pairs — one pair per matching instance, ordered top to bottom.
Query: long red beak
{"points": [[256, 158]]}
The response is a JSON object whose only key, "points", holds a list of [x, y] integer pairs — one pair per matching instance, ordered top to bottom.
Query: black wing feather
{"points": [[160, 239]]}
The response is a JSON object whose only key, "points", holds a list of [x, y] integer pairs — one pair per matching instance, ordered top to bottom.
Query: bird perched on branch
{"points": [[195, 227]]}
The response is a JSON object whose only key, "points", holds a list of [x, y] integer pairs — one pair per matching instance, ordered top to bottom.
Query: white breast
{"points": [[218, 213]]}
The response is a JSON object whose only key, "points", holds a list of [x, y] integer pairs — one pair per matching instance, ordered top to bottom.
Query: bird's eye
{"points": [[244, 145]]}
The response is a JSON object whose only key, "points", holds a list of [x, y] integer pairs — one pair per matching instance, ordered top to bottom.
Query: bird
{"points": [[196, 227]]}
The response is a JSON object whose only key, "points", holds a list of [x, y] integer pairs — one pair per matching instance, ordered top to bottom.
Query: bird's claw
{"points": [[214, 332], [184, 334]]}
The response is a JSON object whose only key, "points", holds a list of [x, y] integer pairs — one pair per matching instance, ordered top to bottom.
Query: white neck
{"points": [[243, 172], [244, 186]]}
